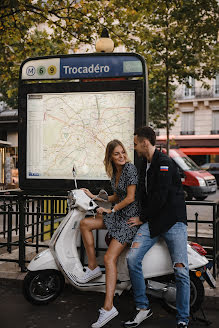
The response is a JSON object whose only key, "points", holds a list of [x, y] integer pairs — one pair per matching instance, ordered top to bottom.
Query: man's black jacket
{"points": [[163, 204]]}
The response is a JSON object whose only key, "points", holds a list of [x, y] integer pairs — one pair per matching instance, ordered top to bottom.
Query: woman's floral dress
{"points": [[116, 223]]}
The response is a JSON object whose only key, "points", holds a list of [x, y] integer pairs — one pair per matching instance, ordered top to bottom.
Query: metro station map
{"points": [[66, 129]]}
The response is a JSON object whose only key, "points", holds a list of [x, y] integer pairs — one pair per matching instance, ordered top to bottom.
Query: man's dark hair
{"points": [[146, 132]]}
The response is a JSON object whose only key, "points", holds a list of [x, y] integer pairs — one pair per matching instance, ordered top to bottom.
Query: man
{"points": [[163, 213]]}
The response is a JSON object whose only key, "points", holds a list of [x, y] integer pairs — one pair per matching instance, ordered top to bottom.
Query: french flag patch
{"points": [[164, 168]]}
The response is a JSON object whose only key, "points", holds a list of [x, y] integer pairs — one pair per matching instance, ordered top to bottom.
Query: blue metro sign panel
{"points": [[83, 66]]}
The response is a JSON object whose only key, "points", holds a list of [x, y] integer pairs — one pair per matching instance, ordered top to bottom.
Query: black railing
{"points": [[30, 221], [209, 238]]}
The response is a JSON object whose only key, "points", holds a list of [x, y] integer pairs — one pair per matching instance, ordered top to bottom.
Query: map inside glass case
{"points": [[66, 129]]}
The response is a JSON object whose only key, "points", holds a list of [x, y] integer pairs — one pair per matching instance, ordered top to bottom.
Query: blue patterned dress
{"points": [[116, 223]]}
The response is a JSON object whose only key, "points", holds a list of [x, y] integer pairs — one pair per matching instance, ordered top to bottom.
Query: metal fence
{"points": [[30, 221], [205, 230]]}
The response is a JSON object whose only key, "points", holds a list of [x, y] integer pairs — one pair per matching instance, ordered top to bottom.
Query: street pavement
{"points": [[213, 197], [80, 309]]}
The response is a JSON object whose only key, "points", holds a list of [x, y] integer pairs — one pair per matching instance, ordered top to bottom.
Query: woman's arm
{"points": [[88, 193], [113, 199], [128, 199]]}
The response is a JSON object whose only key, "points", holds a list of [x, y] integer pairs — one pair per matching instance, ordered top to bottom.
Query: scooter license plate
{"points": [[211, 278]]}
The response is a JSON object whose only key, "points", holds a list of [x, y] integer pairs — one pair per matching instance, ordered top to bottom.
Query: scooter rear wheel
{"points": [[42, 287], [197, 294]]}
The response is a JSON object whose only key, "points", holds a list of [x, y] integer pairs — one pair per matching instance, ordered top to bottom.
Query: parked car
{"points": [[212, 168], [197, 182]]}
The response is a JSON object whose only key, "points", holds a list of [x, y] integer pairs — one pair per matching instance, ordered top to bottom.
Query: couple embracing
{"points": [[147, 206]]}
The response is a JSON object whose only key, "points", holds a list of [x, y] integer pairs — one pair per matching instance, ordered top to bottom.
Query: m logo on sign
{"points": [[30, 70]]}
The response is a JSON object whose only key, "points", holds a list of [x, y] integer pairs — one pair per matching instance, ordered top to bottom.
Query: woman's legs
{"points": [[86, 227], [110, 261]]}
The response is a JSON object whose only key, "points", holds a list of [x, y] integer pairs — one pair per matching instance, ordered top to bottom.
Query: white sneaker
{"points": [[89, 275], [139, 316], [104, 317]]}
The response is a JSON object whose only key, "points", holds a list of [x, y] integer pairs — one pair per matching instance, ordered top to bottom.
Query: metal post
{"points": [[21, 202], [52, 217], [4, 218], [17, 218], [32, 219], [37, 224], [42, 224], [196, 227], [9, 232], [214, 241]]}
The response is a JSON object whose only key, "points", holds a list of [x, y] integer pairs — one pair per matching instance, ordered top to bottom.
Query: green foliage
{"points": [[36, 28], [178, 38], [157, 101]]}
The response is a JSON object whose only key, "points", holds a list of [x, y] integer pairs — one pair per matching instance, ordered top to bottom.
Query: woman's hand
{"points": [[88, 193], [102, 210], [134, 221]]}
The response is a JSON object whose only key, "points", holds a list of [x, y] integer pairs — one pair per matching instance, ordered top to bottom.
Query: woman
{"points": [[124, 179]]}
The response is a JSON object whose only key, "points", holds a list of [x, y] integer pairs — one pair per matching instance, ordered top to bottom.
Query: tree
{"points": [[34, 28], [178, 38], [38, 43]]}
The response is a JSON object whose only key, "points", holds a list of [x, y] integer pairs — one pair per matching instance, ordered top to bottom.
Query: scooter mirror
{"points": [[74, 173]]}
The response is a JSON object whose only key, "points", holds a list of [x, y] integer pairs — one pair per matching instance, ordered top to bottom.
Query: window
{"points": [[189, 91], [215, 122], [187, 123]]}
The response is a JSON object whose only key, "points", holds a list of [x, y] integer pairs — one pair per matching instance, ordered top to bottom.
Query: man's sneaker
{"points": [[89, 275], [139, 316], [104, 317], [182, 325]]}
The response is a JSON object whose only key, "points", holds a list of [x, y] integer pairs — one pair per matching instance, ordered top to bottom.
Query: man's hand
{"points": [[134, 221]]}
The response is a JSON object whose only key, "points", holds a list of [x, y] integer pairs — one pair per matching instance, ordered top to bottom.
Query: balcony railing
{"points": [[198, 93], [214, 131], [183, 133]]}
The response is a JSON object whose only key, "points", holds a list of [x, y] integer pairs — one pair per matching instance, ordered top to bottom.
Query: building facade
{"points": [[197, 125]]}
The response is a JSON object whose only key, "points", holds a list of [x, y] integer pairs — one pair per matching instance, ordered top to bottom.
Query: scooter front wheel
{"points": [[42, 287]]}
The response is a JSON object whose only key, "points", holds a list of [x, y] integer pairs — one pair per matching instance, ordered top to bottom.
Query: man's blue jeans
{"points": [[176, 240]]}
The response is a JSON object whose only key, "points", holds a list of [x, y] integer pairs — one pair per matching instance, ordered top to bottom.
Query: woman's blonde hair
{"points": [[109, 165]]}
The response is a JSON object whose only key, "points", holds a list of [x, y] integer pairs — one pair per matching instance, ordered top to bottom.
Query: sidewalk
{"points": [[74, 309]]}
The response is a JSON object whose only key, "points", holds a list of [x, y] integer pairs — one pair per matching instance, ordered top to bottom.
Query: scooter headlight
{"points": [[71, 199], [39, 255]]}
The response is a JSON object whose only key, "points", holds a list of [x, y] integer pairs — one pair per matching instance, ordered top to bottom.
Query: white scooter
{"points": [[48, 270]]}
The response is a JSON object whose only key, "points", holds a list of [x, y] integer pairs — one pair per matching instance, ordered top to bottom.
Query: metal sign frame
{"points": [[136, 82]]}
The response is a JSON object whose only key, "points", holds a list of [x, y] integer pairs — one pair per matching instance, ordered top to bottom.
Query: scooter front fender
{"points": [[43, 261]]}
